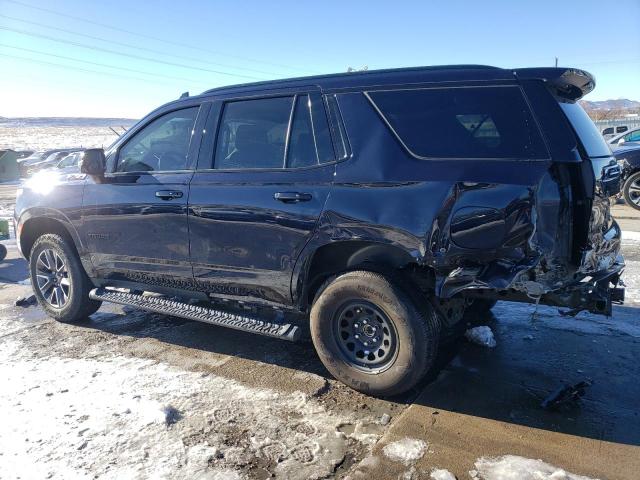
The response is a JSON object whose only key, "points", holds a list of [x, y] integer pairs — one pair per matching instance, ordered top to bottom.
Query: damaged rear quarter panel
{"points": [[382, 194]]}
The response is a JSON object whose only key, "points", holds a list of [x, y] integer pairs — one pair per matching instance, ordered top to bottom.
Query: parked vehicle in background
{"points": [[611, 132], [629, 138], [23, 154], [628, 157], [42, 160], [70, 163], [376, 206]]}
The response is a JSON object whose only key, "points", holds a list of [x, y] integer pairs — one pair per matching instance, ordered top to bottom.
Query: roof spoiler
{"points": [[568, 83]]}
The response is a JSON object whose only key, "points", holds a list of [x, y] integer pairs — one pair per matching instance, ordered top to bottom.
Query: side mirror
{"points": [[621, 141], [93, 162]]}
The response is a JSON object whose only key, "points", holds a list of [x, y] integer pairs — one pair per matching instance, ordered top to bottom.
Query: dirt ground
{"points": [[128, 394]]}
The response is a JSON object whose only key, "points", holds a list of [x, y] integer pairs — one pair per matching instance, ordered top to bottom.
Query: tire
{"points": [[631, 191], [3, 252], [62, 291], [412, 332]]}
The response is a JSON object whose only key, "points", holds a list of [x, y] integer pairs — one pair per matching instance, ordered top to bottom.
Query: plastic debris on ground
{"points": [[566, 396]]}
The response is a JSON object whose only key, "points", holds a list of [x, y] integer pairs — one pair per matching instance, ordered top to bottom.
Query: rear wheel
{"points": [[631, 191], [59, 281], [371, 335]]}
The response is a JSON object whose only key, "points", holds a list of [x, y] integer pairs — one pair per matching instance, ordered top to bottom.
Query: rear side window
{"points": [[469, 122], [252, 133], [338, 133], [592, 141], [302, 150]]}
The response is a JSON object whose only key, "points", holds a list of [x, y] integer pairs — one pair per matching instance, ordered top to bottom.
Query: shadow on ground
{"points": [[506, 384]]}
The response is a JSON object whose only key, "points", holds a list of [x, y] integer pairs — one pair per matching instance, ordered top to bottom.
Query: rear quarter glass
{"points": [[462, 122], [593, 143]]}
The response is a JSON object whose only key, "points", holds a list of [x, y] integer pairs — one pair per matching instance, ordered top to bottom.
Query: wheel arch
{"points": [[34, 226], [336, 257]]}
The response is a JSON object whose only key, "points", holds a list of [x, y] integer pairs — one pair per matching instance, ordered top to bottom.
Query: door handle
{"points": [[168, 194], [292, 197]]}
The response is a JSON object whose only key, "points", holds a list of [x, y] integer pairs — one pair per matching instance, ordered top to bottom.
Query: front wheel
{"points": [[631, 191], [59, 281], [371, 335]]}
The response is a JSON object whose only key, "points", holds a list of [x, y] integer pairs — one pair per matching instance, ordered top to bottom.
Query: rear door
{"points": [[265, 170], [135, 219]]}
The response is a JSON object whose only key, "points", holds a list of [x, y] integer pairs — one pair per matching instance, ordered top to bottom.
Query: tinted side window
{"points": [[472, 122], [338, 132], [252, 133], [591, 140], [161, 145], [302, 150]]}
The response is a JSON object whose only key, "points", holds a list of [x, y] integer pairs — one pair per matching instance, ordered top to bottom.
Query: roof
{"points": [[358, 75], [581, 82]]}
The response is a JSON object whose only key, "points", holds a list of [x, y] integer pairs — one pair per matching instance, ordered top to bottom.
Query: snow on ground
{"points": [[47, 133], [629, 236], [481, 335], [128, 418], [407, 450], [512, 467], [442, 474]]}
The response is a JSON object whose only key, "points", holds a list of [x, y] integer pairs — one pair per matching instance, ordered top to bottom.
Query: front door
{"points": [[258, 193], [135, 220]]}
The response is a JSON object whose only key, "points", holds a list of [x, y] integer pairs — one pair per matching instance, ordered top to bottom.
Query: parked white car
{"points": [[629, 137]]}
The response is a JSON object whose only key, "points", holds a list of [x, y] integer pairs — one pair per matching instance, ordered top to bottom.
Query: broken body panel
{"points": [[525, 230]]}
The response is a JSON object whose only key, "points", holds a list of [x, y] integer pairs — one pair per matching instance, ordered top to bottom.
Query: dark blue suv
{"points": [[375, 207]]}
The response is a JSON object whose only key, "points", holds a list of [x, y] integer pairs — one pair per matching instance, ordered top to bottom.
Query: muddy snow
{"points": [[482, 336], [117, 417], [407, 450], [512, 467]]}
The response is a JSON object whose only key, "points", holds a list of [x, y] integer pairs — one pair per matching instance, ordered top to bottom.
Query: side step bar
{"points": [[285, 331]]}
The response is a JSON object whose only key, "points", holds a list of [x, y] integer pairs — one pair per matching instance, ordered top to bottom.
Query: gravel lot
{"points": [[129, 394]]}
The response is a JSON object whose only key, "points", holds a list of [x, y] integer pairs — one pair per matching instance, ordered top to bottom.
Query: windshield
{"points": [[591, 139]]}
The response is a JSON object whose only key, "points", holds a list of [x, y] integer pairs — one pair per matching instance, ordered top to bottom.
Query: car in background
{"points": [[611, 132], [630, 137], [23, 154], [42, 160], [629, 160], [70, 163]]}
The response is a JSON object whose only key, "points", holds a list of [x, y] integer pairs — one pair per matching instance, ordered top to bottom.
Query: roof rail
{"points": [[355, 74]]}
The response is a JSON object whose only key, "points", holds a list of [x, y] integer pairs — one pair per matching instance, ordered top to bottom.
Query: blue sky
{"points": [[45, 69]]}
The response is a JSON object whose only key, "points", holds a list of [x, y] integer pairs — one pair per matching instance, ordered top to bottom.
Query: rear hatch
{"points": [[596, 235]]}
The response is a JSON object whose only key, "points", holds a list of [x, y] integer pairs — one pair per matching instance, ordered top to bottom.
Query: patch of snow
{"points": [[629, 236], [631, 279], [481, 335], [117, 417], [407, 450], [513, 467], [442, 474]]}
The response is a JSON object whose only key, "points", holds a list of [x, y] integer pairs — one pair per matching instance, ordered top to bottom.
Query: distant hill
{"points": [[618, 104]]}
